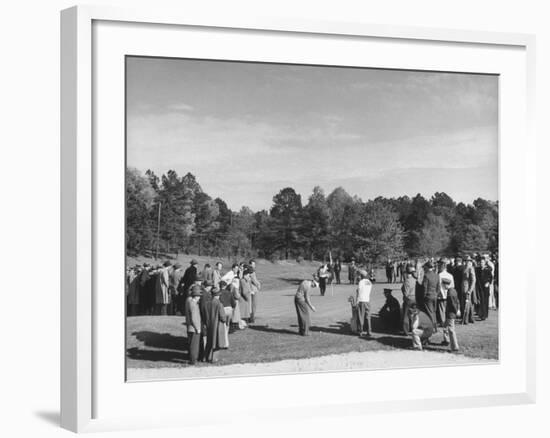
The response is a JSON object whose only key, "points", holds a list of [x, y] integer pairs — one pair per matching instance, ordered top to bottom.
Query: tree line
{"points": [[173, 214]]}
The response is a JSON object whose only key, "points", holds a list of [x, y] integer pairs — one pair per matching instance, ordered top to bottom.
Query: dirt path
{"points": [[348, 361]]}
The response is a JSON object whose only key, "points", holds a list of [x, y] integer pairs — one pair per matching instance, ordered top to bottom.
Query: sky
{"points": [[248, 130]]}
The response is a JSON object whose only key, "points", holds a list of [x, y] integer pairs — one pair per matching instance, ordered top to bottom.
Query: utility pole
{"points": [[158, 231]]}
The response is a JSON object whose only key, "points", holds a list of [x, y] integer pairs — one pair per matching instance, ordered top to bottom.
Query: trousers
{"points": [[302, 311], [363, 315], [449, 333], [193, 340]]}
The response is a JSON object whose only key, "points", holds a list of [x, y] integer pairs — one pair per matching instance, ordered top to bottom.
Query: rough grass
{"points": [[160, 341]]}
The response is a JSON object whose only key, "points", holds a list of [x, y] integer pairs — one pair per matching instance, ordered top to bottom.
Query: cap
{"points": [[194, 262], [167, 263], [177, 265], [446, 281], [388, 290]]}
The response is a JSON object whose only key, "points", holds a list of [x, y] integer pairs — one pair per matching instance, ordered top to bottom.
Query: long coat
{"points": [[162, 295], [245, 299], [215, 317]]}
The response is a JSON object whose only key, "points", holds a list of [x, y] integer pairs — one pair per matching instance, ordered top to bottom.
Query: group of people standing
{"points": [[458, 289], [214, 303]]}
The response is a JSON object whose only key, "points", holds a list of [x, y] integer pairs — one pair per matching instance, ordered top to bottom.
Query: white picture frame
{"points": [[83, 375]]}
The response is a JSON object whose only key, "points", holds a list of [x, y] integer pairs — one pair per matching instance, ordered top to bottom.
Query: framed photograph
{"points": [[291, 211]]}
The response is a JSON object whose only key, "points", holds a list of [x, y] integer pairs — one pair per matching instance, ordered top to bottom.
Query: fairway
{"points": [[160, 341]]}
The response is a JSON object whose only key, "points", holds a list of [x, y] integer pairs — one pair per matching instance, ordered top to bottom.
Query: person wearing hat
{"points": [[457, 273], [175, 276], [189, 278], [486, 280], [430, 284], [133, 286], [469, 291], [442, 292], [162, 295], [409, 296], [362, 298], [245, 299], [302, 302], [204, 306], [452, 311], [390, 313], [215, 320], [193, 323], [422, 327]]}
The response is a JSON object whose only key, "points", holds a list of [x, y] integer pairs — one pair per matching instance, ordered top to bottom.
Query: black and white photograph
{"points": [[286, 218]]}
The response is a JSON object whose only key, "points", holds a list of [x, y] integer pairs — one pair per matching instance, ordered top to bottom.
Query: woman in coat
{"points": [[245, 300], [215, 320]]}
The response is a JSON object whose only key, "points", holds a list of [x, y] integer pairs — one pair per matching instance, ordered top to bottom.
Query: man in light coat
{"points": [[255, 289], [162, 294]]}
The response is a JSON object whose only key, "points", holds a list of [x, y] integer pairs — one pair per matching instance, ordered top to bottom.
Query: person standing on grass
{"points": [[337, 270], [351, 271], [389, 271], [458, 273], [229, 276], [323, 276], [174, 277], [189, 279], [485, 281], [429, 285], [255, 289], [469, 290], [441, 291], [162, 294], [409, 296], [245, 297], [226, 298], [362, 299], [303, 304], [204, 306], [452, 311], [194, 324], [214, 324]]}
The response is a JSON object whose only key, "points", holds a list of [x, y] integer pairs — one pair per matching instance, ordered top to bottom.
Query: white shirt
{"points": [[228, 277], [363, 291]]}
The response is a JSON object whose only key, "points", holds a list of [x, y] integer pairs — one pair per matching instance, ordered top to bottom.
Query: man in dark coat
{"points": [[337, 270], [458, 272], [189, 278], [486, 278], [429, 284], [390, 313], [215, 315]]}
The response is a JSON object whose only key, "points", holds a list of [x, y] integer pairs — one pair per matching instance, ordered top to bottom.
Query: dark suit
{"points": [[430, 283]]}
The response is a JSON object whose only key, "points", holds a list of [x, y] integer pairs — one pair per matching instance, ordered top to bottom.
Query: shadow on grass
{"points": [[263, 328], [161, 340], [165, 341], [157, 355]]}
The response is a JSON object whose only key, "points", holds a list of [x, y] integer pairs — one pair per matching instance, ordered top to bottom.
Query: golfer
{"points": [[302, 303]]}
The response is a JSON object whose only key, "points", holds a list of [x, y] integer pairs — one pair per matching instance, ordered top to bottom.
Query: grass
{"points": [[160, 341]]}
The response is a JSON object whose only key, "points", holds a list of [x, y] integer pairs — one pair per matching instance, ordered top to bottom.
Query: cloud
{"points": [[180, 107]]}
